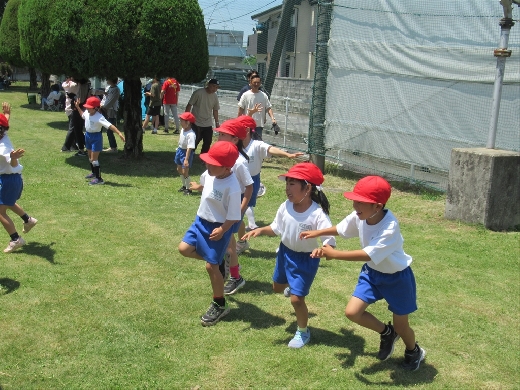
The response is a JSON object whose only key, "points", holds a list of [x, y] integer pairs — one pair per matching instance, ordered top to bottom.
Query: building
{"points": [[297, 59]]}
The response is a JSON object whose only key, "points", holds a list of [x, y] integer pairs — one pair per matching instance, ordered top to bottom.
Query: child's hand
{"points": [[76, 103], [6, 108], [256, 108], [122, 137], [16, 154], [294, 155], [186, 164], [194, 186], [252, 233], [216, 234], [308, 234], [328, 252], [317, 253]]}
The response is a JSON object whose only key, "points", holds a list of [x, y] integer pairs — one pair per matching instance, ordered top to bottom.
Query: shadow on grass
{"points": [[59, 125], [153, 164], [41, 250], [8, 285], [256, 287], [258, 318], [398, 376]]}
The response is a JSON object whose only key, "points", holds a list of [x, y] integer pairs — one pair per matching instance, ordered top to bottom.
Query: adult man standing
{"points": [[170, 96], [255, 97], [203, 104], [109, 106]]}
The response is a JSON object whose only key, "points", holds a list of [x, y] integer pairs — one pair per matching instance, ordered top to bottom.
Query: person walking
{"points": [[170, 97]]}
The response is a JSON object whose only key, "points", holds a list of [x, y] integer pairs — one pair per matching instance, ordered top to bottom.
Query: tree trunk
{"points": [[33, 82], [46, 85], [132, 117]]}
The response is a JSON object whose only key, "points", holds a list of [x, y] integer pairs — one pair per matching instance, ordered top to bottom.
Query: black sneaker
{"points": [[166, 130], [81, 153], [182, 189], [188, 192], [233, 285], [214, 314], [386, 347], [413, 360]]}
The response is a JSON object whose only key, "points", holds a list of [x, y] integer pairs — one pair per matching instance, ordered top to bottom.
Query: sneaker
{"points": [[154, 131], [166, 131], [176, 131], [65, 150], [110, 150], [81, 153], [90, 176], [96, 181], [182, 189], [261, 190], [188, 192], [29, 225], [251, 228], [14, 245], [242, 246], [227, 261], [233, 285], [287, 292], [214, 314], [300, 339], [386, 347], [413, 360]]}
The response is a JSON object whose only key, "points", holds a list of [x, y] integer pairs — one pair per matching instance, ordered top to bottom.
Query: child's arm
{"points": [[76, 103], [6, 108], [116, 130], [279, 152], [15, 155], [187, 159], [194, 186], [245, 200], [266, 230], [332, 231], [217, 233], [331, 253]]}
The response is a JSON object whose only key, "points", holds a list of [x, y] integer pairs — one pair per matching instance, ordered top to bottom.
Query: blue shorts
{"points": [[94, 141], [180, 155], [11, 186], [256, 187], [198, 236], [298, 269], [398, 289]]}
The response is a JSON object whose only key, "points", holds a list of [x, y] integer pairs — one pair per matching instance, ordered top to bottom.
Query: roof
{"points": [[266, 12], [227, 51]]}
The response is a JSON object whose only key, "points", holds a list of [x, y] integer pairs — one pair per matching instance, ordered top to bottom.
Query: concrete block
{"points": [[484, 187]]}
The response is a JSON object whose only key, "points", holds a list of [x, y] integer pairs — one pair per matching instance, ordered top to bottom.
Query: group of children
{"points": [[228, 188], [299, 221]]}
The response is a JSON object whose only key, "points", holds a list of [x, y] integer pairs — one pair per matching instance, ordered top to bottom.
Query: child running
{"points": [[94, 122], [234, 131], [185, 151], [257, 151], [11, 184], [208, 237], [294, 265], [386, 272]]}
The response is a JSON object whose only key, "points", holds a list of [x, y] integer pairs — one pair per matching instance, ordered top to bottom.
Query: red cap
{"points": [[92, 102], [188, 116], [3, 121], [247, 121], [233, 127], [221, 154], [305, 171], [370, 189]]}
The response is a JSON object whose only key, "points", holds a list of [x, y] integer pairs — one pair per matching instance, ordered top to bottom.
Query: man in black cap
{"points": [[203, 104]]}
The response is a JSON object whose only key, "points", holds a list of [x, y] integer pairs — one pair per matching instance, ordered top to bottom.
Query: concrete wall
{"points": [[299, 90], [484, 187]]}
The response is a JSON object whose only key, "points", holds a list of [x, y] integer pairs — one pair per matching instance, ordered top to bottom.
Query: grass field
{"points": [[99, 297]]}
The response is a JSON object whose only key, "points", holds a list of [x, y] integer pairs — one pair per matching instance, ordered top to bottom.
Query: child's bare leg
{"points": [[17, 209], [7, 222], [241, 230], [232, 250], [189, 251], [217, 281], [278, 288], [301, 311], [356, 312], [402, 328]]}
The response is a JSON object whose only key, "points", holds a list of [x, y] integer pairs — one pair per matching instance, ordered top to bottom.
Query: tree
{"points": [[10, 38], [125, 38]]}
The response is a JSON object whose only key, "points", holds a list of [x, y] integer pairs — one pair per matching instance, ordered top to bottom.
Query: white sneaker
{"points": [[261, 190], [29, 225], [14, 245], [242, 246], [287, 292], [300, 339]]}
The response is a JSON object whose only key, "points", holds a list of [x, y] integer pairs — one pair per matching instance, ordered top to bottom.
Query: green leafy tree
{"points": [[10, 38], [125, 38]]}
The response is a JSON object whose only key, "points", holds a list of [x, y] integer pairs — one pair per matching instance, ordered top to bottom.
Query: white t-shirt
{"points": [[249, 99], [95, 123], [187, 139], [6, 147], [257, 152], [242, 172], [220, 199], [289, 224], [383, 241]]}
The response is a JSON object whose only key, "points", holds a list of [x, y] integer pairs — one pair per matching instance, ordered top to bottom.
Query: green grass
{"points": [[100, 298]]}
